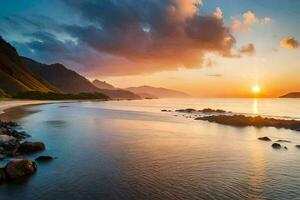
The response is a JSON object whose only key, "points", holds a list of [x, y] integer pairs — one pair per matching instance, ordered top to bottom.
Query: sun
{"points": [[255, 89]]}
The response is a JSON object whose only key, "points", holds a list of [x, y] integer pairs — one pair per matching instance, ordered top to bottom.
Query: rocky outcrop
{"points": [[187, 110], [209, 110], [258, 121], [264, 139], [276, 146], [31, 147], [19, 168]]}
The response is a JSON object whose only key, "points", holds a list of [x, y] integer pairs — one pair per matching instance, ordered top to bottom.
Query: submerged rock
{"points": [[188, 110], [264, 139], [287, 141], [276, 146], [31, 147], [44, 158], [18, 168]]}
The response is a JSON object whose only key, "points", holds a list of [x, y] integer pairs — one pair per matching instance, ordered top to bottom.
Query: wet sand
{"points": [[11, 110]]}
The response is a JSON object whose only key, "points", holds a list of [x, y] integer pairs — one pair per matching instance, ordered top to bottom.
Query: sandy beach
{"points": [[13, 109]]}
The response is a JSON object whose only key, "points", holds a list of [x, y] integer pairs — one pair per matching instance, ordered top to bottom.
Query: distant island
{"points": [[158, 92], [291, 95]]}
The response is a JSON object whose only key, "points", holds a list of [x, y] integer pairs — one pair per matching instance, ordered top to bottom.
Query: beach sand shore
{"points": [[15, 109]]}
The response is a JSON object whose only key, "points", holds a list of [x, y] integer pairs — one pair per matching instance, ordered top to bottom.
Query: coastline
{"points": [[11, 110]]}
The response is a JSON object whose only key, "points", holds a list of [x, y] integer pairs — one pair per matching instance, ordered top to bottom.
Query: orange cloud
{"points": [[218, 13], [249, 19], [176, 36], [289, 43], [248, 49]]}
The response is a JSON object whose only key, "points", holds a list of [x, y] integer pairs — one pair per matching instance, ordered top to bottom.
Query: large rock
{"points": [[276, 146], [31, 147], [18, 168], [2, 175]]}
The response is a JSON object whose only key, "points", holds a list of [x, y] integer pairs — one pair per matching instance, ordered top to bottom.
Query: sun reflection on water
{"points": [[255, 106]]}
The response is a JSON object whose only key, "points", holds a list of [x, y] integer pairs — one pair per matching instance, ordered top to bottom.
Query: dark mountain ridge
{"points": [[15, 76], [69, 81], [291, 95]]}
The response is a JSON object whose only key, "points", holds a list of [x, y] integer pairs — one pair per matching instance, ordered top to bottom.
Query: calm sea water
{"points": [[131, 150]]}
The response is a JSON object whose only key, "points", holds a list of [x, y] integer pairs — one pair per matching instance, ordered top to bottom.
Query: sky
{"points": [[207, 48]]}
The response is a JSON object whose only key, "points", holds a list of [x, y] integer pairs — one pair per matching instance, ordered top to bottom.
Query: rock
{"points": [[164, 110], [188, 110], [209, 110], [257, 121], [4, 139], [264, 139], [287, 141], [276, 146], [297, 146], [31, 147], [285, 148], [44, 158], [18, 168], [2, 175]]}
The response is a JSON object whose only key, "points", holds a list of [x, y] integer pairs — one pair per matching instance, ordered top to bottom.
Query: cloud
{"points": [[218, 13], [249, 18], [266, 20], [151, 35], [124, 37], [289, 43], [248, 49], [215, 75]]}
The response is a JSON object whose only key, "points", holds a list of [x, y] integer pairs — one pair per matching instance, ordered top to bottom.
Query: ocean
{"points": [[132, 150]]}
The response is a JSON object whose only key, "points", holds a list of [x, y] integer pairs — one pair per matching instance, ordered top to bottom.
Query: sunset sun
{"points": [[255, 89]]}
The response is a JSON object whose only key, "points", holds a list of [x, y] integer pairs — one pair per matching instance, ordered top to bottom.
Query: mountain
{"points": [[15, 76], [69, 81], [103, 85], [158, 92], [291, 95], [147, 96]]}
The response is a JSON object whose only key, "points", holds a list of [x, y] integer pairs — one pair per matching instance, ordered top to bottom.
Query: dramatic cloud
{"points": [[249, 19], [152, 35], [123, 37], [289, 43], [248, 49]]}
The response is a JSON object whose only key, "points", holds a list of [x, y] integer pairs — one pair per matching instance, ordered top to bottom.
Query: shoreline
{"points": [[11, 110]]}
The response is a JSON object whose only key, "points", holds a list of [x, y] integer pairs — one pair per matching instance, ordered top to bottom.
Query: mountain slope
{"points": [[15, 76], [70, 81], [103, 85], [158, 92], [291, 95]]}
